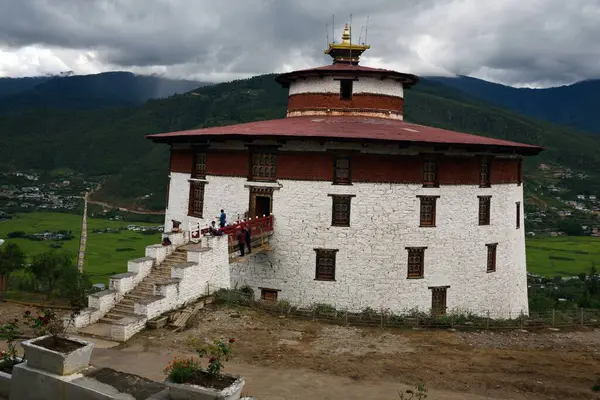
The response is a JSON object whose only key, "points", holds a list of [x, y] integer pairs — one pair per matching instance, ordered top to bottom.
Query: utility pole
{"points": [[83, 242]]}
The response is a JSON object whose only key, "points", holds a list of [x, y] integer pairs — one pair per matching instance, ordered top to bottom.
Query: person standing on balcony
{"points": [[222, 219], [213, 230], [241, 238], [249, 239]]}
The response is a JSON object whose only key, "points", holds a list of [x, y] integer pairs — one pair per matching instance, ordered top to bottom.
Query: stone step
{"points": [[141, 294], [131, 296], [123, 309], [112, 314]]}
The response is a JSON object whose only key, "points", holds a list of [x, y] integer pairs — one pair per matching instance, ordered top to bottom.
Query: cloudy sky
{"points": [[518, 42]]}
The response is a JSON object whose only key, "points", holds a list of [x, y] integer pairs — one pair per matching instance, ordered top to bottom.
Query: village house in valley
{"points": [[368, 210]]}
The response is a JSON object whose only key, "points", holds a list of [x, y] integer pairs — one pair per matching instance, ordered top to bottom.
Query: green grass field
{"points": [[107, 253], [565, 255], [103, 257]]}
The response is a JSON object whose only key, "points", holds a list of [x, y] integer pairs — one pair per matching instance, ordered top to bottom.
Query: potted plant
{"points": [[51, 350], [9, 358], [187, 380]]}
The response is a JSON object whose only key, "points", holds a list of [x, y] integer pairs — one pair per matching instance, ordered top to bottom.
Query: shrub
{"points": [[232, 297], [324, 309], [369, 313], [9, 332], [217, 352], [182, 370]]}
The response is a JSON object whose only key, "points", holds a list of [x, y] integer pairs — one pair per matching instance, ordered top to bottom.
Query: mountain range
{"points": [[105, 90], [574, 105], [96, 124]]}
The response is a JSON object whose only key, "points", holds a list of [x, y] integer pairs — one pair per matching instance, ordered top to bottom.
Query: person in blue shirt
{"points": [[222, 219]]}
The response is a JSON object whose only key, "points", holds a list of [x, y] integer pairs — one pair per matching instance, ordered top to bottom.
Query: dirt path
{"points": [[284, 358], [503, 365], [267, 383]]}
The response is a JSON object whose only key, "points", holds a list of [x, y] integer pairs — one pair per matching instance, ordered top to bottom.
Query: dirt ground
{"points": [[285, 358]]}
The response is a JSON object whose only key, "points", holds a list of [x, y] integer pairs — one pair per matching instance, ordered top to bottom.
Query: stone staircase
{"points": [[166, 278], [145, 290]]}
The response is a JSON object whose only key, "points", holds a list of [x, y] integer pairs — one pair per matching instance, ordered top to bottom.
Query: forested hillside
{"points": [[86, 92], [574, 105], [111, 142]]}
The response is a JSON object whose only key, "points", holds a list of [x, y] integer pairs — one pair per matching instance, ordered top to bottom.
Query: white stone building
{"points": [[369, 211]]}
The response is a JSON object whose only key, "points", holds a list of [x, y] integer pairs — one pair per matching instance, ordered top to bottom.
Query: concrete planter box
{"points": [[58, 363], [4, 384], [184, 391]]}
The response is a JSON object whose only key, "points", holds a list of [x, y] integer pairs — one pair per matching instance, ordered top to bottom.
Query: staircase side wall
{"points": [[209, 272]]}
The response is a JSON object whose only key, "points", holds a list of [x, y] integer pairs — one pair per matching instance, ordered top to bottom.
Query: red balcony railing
{"points": [[259, 227]]}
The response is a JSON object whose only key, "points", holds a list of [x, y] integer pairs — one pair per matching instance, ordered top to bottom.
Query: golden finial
{"points": [[346, 35], [346, 52]]}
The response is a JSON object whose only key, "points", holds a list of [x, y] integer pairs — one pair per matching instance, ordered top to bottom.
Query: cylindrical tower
{"points": [[346, 88]]}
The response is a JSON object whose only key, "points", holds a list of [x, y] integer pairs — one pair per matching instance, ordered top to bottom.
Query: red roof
{"points": [[408, 80], [347, 128]]}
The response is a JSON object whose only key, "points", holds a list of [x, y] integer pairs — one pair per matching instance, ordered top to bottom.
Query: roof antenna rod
{"points": [[333, 26], [367, 30], [327, 34], [360, 36], [350, 39]]}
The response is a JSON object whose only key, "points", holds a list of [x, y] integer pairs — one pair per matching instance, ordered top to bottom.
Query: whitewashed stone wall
{"points": [[363, 85], [220, 192], [371, 264], [206, 271]]}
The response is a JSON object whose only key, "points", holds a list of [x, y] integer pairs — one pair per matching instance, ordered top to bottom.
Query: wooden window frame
{"points": [[346, 89], [262, 150], [199, 163], [430, 172], [485, 172], [336, 179], [338, 199], [422, 203], [518, 204], [191, 211], [486, 218], [492, 249], [322, 254], [415, 271], [440, 289], [263, 291]]}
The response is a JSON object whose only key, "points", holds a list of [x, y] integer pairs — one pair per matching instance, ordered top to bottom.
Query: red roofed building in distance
{"points": [[369, 210]]}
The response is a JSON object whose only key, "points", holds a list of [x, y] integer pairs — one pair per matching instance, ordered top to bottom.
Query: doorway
{"points": [[261, 202], [438, 300]]}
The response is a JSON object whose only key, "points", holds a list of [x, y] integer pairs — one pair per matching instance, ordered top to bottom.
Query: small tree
{"points": [[12, 259], [49, 268]]}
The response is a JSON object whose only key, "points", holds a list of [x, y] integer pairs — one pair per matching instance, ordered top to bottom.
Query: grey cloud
{"points": [[511, 41]]}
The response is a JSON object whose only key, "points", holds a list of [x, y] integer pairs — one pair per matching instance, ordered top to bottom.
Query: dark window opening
{"points": [[346, 89], [263, 166], [199, 170], [341, 170], [484, 172], [430, 173], [196, 200], [484, 210], [427, 211], [340, 213], [518, 215], [491, 257], [416, 262], [325, 270], [268, 294], [438, 300]]}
